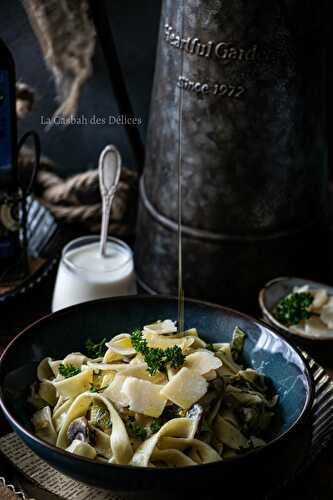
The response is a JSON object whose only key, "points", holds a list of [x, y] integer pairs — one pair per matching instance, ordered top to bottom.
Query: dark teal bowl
{"points": [[66, 331]]}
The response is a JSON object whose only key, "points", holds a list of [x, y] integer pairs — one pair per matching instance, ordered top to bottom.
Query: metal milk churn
{"points": [[254, 175]]}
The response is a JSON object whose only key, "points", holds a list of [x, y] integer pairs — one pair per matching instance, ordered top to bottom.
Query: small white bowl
{"points": [[278, 288]]}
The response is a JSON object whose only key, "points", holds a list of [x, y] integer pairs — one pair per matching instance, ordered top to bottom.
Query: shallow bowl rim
{"points": [[306, 410]]}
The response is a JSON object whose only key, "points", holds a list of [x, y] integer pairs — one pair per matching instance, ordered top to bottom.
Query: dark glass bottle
{"points": [[9, 226]]}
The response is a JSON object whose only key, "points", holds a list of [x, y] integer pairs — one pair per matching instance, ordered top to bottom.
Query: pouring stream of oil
{"points": [[179, 178]]}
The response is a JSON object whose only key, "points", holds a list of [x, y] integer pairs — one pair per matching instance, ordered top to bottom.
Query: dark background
{"points": [[76, 148]]}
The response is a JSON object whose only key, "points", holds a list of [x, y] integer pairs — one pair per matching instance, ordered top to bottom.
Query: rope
{"points": [[67, 39], [76, 200]]}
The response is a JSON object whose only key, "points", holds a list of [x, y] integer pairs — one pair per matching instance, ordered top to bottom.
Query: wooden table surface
{"points": [[315, 484]]}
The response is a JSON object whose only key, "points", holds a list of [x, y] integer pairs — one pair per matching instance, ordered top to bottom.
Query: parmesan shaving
{"points": [[202, 362], [185, 388], [144, 397]]}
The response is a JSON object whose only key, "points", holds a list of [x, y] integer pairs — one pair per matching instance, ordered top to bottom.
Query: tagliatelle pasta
{"points": [[73, 386], [155, 397], [178, 428], [119, 440]]}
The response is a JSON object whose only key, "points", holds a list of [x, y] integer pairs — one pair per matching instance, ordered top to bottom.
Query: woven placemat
{"points": [[43, 475]]}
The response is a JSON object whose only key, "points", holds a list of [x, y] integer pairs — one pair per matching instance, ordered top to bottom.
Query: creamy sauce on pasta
{"points": [[155, 397]]}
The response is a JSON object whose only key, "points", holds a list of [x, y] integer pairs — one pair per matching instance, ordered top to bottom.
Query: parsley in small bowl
{"points": [[300, 308]]}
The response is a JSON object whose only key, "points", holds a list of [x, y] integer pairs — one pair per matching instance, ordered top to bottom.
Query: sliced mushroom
{"points": [[79, 429]]}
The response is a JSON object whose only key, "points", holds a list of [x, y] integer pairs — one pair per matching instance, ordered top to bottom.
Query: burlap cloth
{"points": [[66, 36]]}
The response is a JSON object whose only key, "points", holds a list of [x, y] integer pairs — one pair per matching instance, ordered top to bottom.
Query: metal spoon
{"points": [[109, 168]]}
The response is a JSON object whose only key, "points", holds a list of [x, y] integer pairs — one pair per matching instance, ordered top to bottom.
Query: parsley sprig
{"points": [[294, 308], [138, 341], [210, 346], [95, 350], [157, 359], [68, 370], [95, 388], [156, 425], [136, 430]]}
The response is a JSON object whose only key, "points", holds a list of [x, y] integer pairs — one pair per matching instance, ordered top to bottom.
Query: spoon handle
{"points": [[109, 167], [106, 207]]}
